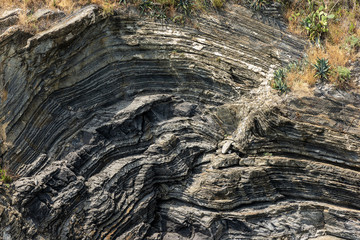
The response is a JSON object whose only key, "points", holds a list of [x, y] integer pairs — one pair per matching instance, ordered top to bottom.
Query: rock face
{"points": [[124, 128]]}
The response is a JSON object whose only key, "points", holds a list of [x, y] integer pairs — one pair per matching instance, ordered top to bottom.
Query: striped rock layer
{"points": [[120, 127]]}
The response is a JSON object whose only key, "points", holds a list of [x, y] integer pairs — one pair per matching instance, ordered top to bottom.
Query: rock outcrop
{"points": [[120, 127]]}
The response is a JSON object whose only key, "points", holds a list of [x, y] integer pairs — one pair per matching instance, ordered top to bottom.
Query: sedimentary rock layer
{"points": [[120, 127]]}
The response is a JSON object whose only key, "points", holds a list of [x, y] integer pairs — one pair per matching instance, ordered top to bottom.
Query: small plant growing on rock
{"points": [[217, 3], [257, 4], [146, 6], [185, 6], [316, 23], [353, 43], [322, 68], [343, 77], [279, 81], [4, 176]]}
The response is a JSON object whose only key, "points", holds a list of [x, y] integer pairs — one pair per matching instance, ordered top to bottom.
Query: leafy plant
{"points": [[311, 5], [146, 6], [185, 6], [152, 9], [159, 13], [294, 16], [180, 19], [316, 23], [352, 27], [353, 42], [297, 65], [322, 68], [344, 76], [279, 82], [5, 177]]}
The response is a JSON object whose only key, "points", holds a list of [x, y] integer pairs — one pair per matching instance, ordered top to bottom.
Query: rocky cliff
{"points": [[121, 127]]}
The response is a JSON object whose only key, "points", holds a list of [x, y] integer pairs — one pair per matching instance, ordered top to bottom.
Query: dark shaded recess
{"points": [[38, 208], [163, 224]]}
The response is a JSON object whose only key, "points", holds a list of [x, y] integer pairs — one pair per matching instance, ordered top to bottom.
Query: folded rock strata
{"points": [[120, 127]]}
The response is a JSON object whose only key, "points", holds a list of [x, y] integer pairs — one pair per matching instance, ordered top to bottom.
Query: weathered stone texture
{"points": [[124, 128]]}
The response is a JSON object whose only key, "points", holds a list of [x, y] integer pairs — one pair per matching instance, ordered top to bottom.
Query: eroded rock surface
{"points": [[124, 128]]}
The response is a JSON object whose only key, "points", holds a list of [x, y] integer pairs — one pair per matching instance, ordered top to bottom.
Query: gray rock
{"points": [[48, 14], [115, 128], [226, 147]]}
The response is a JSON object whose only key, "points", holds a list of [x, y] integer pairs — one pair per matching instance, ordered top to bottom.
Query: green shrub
{"points": [[217, 3], [146, 6], [185, 6], [152, 9], [316, 23], [352, 28], [353, 42], [322, 68], [344, 76], [279, 81], [5, 177]]}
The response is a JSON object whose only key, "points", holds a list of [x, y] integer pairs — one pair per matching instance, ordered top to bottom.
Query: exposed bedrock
{"points": [[124, 128]]}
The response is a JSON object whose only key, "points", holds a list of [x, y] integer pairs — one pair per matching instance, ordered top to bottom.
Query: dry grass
{"points": [[64, 5], [169, 8], [25, 21], [293, 22], [336, 33], [313, 53], [336, 55], [309, 76], [292, 77], [334, 77], [296, 84], [301, 89]]}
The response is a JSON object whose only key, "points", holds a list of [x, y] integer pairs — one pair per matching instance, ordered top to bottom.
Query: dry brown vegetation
{"points": [[64, 5], [29, 7], [175, 10], [340, 45]]}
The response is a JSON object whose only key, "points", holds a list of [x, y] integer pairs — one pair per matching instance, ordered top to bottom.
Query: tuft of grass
{"points": [[336, 33], [337, 55], [309, 76]]}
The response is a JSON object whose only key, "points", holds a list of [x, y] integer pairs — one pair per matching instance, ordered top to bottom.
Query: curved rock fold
{"points": [[124, 128]]}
